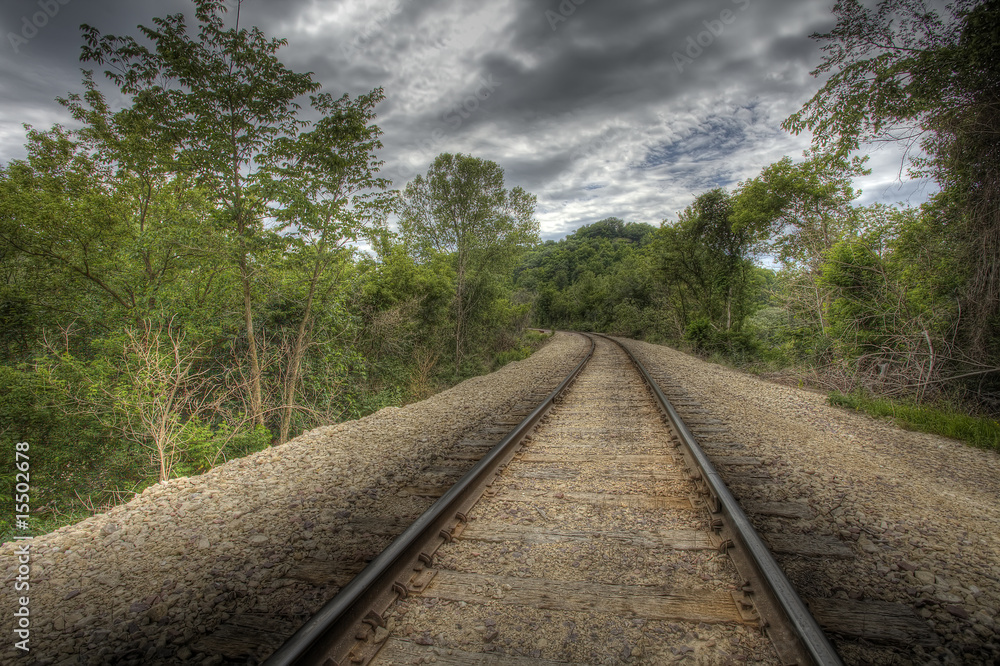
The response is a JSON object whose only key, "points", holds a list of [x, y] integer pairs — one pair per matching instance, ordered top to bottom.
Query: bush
{"points": [[699, 333], [740, 346], [511, 355], [205, 446], [76, 465]]}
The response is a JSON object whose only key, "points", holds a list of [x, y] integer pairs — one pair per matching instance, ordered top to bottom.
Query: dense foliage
{"points": [[904, 73], [182, 279]]}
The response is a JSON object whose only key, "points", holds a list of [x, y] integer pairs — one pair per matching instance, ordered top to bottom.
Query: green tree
{"points": [[904, 73], [224, 99], [328, 194], [461, 207], [797, 212], [704, 263]]}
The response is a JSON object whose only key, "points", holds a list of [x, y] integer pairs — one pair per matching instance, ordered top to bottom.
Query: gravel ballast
{"points": [[920, 512], [583, 550], [144, 581]]}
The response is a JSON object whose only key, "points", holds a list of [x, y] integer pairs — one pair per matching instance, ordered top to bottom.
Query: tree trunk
{"points": [[729, 309], [819, 310], [459, 315], [295, 362], [291, 381], [256, 401]]}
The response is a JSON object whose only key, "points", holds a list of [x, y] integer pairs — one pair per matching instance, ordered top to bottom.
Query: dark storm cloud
{"points": [[40, 44], [606, 56], [627, 108]]}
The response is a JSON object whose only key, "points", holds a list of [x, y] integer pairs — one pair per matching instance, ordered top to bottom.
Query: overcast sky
{"points": [[626, 108]]}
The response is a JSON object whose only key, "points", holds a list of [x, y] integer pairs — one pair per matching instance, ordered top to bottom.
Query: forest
{"points": [[184, 279]]}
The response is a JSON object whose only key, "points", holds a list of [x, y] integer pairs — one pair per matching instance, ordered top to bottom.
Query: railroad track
{"points": [[597, 532], [805, 543]]}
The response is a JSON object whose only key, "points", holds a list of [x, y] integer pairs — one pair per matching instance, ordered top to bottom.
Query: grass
{"points": [[530, 342], [947, 421]]}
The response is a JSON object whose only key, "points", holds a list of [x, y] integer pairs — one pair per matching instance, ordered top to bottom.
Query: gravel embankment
{"points": [[920, 512], [147, 579]]}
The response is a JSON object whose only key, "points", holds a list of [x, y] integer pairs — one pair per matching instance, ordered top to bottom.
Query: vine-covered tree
{"points": [[905, 73]]}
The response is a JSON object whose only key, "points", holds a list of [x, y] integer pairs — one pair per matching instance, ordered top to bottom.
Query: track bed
{"points": [[587, 549]]}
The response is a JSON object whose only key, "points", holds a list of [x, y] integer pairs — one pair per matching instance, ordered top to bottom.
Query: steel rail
{"points": [[792, 628], [329, 635]]}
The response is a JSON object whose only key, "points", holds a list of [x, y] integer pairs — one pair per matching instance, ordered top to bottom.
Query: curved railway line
{"points": [[596, 531]]}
